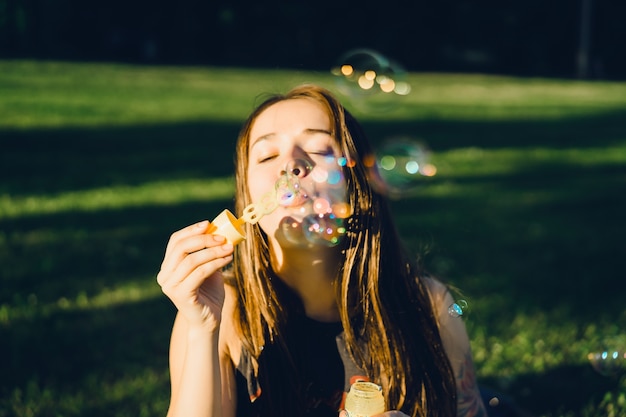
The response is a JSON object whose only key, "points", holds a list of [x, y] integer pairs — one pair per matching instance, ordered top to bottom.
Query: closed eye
{"points": [[323, 152], [266, 158]]}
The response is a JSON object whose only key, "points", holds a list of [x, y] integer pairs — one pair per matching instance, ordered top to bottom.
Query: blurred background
{"points": [[560, 38], [118, 123]]}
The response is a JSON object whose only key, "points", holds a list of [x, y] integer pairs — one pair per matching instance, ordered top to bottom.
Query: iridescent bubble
{"points": [[370, 79], [399, 167], [329, 172], [319, 175], [334, 177], [288, 190], [315, 194], [321, 206], [342, 210], [323, 229], [292, 231], [458, 308], [608, 362]]}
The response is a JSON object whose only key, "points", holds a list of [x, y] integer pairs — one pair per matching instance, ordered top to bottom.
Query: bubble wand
{"points": [[226, 224]]}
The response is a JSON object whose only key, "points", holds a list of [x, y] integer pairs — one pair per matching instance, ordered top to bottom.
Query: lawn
{"points": [[101, 162]]}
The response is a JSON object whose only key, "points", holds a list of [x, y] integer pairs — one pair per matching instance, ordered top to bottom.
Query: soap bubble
{"points": [[370, 79], [399, 167], [329, 172], [288, 190], [315, 194], [322, 206], [342, 210], [314, 229], [323, 229], [291, 230], [458, 308], [608, 362]]}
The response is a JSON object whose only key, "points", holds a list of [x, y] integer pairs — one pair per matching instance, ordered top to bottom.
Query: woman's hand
{"points": [[191, 274]]}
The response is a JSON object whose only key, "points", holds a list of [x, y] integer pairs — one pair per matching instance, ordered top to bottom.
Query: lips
{"points": [[291, 197]]}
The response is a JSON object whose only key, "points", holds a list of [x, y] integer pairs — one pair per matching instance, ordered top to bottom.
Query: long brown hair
{"points": [[389, 322]]}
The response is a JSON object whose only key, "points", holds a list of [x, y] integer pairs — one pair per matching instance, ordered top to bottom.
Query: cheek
{"points": [[259, 183]]}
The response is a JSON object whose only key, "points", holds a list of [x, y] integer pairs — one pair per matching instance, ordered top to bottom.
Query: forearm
{"points": [[196, 386]]}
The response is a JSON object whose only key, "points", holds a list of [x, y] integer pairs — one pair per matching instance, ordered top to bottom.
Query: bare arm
{"points": [[190, 276], [195, 371]]}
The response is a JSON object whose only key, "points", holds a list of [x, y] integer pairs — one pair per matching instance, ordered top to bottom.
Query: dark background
{"points": [[549, 38]]}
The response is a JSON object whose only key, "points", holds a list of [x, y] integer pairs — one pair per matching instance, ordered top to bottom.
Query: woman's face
{"points": [[291, 148]]}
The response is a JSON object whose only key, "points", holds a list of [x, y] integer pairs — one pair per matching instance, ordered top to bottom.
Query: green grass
{"points": [[101, 162]]}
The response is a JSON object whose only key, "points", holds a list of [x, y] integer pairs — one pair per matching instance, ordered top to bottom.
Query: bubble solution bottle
{"points": [[365, 399]]}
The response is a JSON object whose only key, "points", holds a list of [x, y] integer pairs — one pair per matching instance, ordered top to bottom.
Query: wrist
{"points": [[197, 331]]}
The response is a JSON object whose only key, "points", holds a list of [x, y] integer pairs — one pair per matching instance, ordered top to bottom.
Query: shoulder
{"points": [[439, 294]]}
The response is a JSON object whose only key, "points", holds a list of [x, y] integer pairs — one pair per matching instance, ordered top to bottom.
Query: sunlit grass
{"points": [[50, 94], [117, 197], [31, 308]]}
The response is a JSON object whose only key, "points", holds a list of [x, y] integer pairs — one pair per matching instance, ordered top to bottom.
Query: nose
{"points": [[298, 167]]}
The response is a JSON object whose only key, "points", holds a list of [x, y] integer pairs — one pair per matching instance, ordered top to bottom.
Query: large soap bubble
{"points": [[371, 80], [400, 166], [315, 195]]}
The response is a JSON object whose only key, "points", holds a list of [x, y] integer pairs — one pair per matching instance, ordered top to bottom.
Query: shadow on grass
{"points": [[600, 130], [49, 161], [54, 161], [543, 231], [512, 245], [69, 254], [111, 361], [564, 390]]}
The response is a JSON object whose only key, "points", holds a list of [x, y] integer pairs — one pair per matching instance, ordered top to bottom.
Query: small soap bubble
{"points": [[370, 79], [400, 167], [329, 171], [319, 175], [334, 177], [321, 206], [342, 210], [323, 229], [458, 308], [608, 362]]}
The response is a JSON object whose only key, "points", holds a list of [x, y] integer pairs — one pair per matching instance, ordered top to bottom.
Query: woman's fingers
{"points": [[179, 248], [190, 254], [197, 266], [190, 276]]}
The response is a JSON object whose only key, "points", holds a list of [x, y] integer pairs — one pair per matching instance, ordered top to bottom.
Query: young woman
{"points": [[293, 322]]}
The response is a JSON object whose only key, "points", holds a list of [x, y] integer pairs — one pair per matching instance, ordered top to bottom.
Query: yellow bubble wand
{"points": [[226, 224]]}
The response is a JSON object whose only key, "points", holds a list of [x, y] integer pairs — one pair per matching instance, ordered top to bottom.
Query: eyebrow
{"points": [[308, 131]]}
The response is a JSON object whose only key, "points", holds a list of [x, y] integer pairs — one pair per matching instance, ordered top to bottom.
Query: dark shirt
{"points": [[307, 377]]}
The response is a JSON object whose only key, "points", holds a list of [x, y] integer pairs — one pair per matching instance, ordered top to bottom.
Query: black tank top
{"points": [[309, 381]]}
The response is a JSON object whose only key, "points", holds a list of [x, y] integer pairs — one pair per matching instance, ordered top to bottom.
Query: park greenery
{"points": [[101, 162]]}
